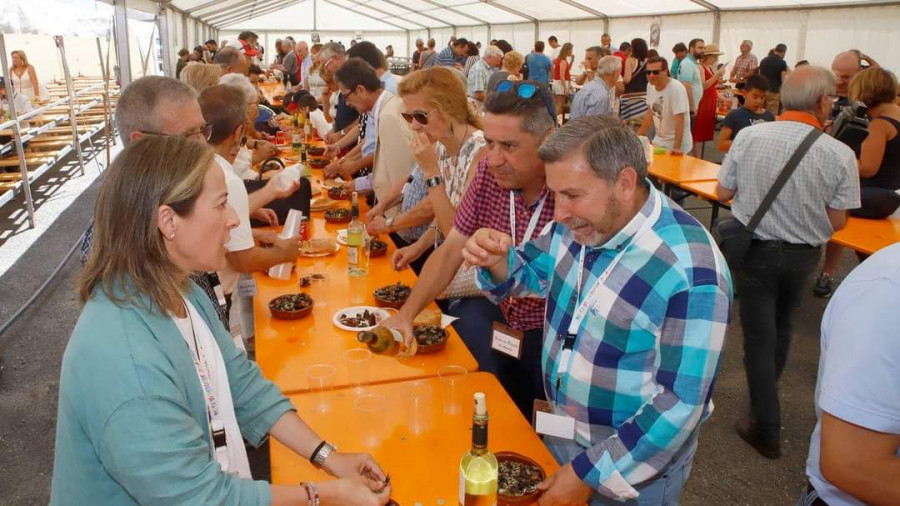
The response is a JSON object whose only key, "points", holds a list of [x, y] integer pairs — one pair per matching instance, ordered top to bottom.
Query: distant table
{"points": [[682, 169], [706, 190], [868, 236], [424, 466]]}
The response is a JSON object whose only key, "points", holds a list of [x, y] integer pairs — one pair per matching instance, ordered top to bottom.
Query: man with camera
{"points": [[845, 66], [787, 241]]}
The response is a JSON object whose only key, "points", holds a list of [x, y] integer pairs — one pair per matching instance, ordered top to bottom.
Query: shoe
{"points": [[824, 286], [770, 449]]}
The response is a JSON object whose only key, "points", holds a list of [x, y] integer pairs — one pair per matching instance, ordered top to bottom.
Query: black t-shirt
{"points": [[415, 59], [771, 68], [344, 116], [740, 118]]}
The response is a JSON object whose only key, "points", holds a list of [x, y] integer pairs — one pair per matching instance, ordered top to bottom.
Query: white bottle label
{"points": [[353, 255], [462, 489]]}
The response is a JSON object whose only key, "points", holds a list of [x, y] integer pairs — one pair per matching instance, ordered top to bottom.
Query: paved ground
{"points": [[726, 471]]}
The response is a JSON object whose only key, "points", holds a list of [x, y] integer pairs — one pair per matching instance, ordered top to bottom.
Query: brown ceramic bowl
{"points": [[315, 151], [318, 163], [339, 193], [340, 215], [379, 248], [396, 302], [291, 306], [434, 347], [504, 500]]}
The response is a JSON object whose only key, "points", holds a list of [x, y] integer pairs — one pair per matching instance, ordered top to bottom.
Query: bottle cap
{"points": [[480, 404]]}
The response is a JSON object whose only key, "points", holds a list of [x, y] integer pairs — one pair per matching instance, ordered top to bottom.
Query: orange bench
{"points": [[868, 236]]}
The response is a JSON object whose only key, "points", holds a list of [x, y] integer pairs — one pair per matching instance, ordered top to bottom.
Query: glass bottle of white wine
{"points": [[355, 237], [478, 469]]}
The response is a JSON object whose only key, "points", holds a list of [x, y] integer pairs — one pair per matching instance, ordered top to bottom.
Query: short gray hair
{"points": [[288, 43], [331, 50], [493, 51], [228, 56], [609, 65], [243, 84], [805, 86], [137, 110], [607, 145]]}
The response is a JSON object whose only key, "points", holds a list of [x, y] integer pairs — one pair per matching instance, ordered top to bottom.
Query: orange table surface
{"points": [[274, 91], [682, 169], [868, 236], [285, 348], [423, 464]]}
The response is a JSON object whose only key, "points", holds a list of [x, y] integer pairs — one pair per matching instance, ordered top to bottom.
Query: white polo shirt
{"points": [[241, 236]]}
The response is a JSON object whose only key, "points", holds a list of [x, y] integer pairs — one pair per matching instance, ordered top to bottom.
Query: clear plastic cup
{"points": [[358, 362], [321, 381], [453, 388], [418, 407], [371, 410]]}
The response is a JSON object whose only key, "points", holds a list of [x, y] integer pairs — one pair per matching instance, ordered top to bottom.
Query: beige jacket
{"points": [[393, 155]]}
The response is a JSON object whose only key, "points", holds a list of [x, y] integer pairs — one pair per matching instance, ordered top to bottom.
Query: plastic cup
{"points": [[358, 361], [321, 381], [453, 387], [418, 407], [370, 412]]}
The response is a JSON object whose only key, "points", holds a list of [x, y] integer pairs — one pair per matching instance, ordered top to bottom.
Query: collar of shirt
{"points": [[377, 108], [801, 117], [225, 164], [520, 200], [624, 236]]}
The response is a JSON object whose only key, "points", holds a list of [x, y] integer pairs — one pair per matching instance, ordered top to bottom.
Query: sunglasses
{"points": [[653, 72], [527, 90], [420, 117]]}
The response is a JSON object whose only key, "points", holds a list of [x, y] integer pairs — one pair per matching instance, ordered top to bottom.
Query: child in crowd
{"points": [[751, 113]]}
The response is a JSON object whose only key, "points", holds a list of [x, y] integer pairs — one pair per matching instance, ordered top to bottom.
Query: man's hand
{"points": [[265, 149], [331, 150], [676, 152], [333, 169], [281, 194], [375, 211], [266, 215], [377, 226], [265, 237], [287, 247], [486, 248], [404, 256], [403, 323], [564, 488]]}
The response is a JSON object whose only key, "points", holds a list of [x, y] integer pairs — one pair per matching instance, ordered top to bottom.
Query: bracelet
{"points": [[312, 456], [312, 494]]}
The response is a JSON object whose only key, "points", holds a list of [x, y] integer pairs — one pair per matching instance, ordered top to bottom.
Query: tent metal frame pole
{"points": [[395, 4], [207, 5], [706, 5], [239, 8], [585, 8], [260, 10], [454, 11], [511, 11], [388, 14], [315, 15], [163, 29], [804, 29], [184, 32], [123, 49], [70, 90], [107, 102], [17, 134]]}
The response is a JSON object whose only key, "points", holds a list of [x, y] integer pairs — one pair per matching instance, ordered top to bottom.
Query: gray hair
{"points": [[288, 43], [331, 50], [493, 51], [228, 56], [609, 65], [243, 84], [805, 86], [138, 104], [533, 112], [607, 145]]}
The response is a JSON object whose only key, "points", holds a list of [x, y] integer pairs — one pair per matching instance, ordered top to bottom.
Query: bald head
{"points": [[302, 49], [845, 65]]}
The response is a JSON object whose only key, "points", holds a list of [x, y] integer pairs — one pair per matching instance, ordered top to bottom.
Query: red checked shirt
{"points": [[486, 205]]}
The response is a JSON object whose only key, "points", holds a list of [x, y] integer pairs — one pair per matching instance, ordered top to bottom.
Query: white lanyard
{"points": [[531, 224], [581, 309]]}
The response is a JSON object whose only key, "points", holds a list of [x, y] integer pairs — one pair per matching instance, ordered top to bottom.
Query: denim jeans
{"points": [[772, 283], [522, 379], [663, 490]]}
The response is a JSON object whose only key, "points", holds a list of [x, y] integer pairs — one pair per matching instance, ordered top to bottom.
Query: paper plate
{"points": [[322, 204], [380, 313]]}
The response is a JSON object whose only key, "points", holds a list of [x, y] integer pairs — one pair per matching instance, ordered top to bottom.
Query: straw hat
{"points": [[712, 49]]}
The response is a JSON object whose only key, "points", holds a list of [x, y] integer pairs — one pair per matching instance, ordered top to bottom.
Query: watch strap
{"points": [[434, 181]]}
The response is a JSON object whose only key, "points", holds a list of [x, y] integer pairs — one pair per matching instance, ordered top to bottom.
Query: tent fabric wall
{"points": [[872, 30]]}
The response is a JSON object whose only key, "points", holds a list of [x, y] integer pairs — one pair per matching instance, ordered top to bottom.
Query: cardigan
{"points": [[132, 422]]}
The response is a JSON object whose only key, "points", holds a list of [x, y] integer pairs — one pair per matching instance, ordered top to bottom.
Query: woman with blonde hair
{"points": [[510, 70], [200, 76], [24, 77], [562, 77], [447, 143], [155, 400]]}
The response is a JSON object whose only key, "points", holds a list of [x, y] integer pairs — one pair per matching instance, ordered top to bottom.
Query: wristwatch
{"points": [[434, 181], [388, 223], [322, 452]]}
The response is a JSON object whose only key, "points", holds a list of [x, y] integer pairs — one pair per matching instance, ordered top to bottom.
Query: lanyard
{"points": [[531, 224], [581, 309]]}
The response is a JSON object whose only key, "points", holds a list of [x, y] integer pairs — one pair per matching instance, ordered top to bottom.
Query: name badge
{"points": [[246, 286], [220, 294], [507, 341], [548, 423]]}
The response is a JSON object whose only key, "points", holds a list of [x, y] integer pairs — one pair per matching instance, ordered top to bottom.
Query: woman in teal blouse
{"points": [[134, 421]]}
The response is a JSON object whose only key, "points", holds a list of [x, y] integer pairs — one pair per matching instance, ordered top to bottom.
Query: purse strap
{"points": [[783, 177]]}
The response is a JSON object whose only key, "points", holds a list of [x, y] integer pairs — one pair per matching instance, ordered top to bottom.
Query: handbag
{"points": [[732, 236], [463, 286]]}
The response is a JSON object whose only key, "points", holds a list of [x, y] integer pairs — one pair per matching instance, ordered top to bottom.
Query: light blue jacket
{"points": [[132, 426]]}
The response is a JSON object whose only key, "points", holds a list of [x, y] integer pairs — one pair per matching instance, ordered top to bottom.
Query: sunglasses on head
{"points": [[653, 72], [526, 90], [420, 117]]}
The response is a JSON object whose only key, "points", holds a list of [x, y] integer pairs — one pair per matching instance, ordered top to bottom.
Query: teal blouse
{"points": [[132, 427]]}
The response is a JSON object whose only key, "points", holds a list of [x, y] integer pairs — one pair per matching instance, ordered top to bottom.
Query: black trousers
{"points": [[772, 283]]}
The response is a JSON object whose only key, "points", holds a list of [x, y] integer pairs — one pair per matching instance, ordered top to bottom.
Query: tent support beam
{"points": [[395, 4], [706, 5], [269, 7], [585, 8], [229, 9], [239, 9], [509, 10], [454, 11], [371, 17], [162, 20], [122, 43]]}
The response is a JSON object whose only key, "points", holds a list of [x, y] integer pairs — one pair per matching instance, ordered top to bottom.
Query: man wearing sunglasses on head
{"points": [[668, 109], [507, 193]]}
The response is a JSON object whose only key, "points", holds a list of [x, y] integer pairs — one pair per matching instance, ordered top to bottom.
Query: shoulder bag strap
{"points": [[783, 177]]}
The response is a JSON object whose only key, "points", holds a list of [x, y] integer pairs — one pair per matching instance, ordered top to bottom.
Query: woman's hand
{"points": [[424, 152], [377, 226], [359, 467], [347, 491]]}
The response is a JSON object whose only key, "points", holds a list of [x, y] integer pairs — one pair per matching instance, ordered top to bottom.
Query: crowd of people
{"points": [[515, 221]]}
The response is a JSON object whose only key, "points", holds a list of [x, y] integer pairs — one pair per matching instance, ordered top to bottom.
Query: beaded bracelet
{"points": [[312, 494]]}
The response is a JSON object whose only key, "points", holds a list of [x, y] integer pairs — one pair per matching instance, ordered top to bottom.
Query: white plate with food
{"points": [[322, 204], [315, 248], [360, 318]]}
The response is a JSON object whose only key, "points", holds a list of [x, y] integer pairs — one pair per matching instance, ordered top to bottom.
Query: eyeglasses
{"points": [[653, 72], [526, 90], [347, 95], [420, 117], [205, 131]]}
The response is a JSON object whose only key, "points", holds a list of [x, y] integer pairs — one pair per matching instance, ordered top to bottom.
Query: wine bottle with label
{"points": [[296, 136], [355, 233], [478, 468]]}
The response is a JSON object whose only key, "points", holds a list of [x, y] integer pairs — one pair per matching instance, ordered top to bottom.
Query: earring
{"points": [[172, 236]]}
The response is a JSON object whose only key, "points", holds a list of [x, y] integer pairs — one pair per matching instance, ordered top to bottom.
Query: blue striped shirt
{"points": [[646, 355]]}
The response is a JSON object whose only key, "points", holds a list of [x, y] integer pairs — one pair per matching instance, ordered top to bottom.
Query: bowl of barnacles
{"points": [[518, 479]]}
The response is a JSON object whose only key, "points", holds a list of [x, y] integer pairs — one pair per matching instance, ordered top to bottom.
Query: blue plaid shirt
{"points": [[647, 353]]}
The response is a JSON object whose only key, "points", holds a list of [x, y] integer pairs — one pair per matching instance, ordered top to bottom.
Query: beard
{"points": [[590, 234]]}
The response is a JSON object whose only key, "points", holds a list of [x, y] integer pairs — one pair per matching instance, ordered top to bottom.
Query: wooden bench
{"points": [[868, 236]]}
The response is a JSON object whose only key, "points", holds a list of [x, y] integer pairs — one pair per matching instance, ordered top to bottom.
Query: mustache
{"points": [[573, 223]]}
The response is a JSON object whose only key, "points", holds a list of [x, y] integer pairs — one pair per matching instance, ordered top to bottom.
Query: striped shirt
{"points": [[644, 361]]}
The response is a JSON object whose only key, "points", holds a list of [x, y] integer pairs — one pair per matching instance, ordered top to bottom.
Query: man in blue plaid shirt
{"points": [[638, 301]]}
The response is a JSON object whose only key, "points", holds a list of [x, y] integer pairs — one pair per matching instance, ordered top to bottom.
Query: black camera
{"points": [[851, 124]]}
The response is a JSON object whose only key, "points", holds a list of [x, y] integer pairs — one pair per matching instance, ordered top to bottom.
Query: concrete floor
{"points": [[726, 470]]}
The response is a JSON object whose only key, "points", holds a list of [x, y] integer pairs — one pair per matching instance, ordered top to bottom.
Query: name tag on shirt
{"points": [[246, 286], [507, 341], [548, 423]]}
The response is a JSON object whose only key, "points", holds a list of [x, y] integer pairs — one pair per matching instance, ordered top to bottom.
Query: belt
{"points": [[782, 245]]}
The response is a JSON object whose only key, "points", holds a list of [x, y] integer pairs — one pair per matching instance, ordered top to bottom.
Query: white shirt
{"points": [[665, 105], [241, 236]]}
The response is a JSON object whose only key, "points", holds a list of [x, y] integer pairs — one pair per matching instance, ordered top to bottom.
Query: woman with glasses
{"points": [[155, 400]]}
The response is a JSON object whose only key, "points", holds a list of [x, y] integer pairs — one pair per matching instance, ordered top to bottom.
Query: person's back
{"points": [[539, 67], [771, 68]]}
